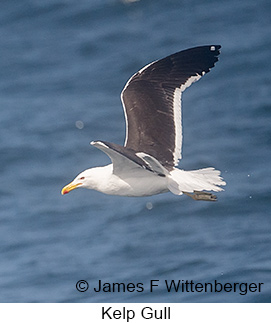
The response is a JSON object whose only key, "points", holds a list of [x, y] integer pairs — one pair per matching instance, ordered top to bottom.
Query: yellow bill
{"points": [[66, 189]]}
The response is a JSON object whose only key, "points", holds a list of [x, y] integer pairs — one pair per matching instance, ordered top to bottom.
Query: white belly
{"points": [[137, 183]]}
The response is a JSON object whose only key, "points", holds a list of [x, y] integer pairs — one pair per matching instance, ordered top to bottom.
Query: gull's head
{"points": [[84, 179]]}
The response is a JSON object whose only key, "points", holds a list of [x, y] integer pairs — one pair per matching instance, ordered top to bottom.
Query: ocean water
{"points": [[63, 65]]}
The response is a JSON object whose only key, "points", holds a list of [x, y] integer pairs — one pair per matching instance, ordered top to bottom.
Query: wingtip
{"points": [[214, 47], [98, 144]]}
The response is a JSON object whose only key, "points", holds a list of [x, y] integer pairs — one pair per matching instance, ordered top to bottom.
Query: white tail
{"points": [[207, 179]]}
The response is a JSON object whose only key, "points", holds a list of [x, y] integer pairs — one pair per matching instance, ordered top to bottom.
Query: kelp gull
{"points": [[146, 164]]}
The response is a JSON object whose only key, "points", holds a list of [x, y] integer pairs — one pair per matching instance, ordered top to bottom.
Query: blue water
{"points": [[63, 65]]}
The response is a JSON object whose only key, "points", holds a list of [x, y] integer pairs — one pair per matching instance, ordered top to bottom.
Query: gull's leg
{"points": [[201, 196]]}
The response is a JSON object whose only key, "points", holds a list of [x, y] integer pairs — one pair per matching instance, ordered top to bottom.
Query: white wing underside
{"points": [[121, 164], [124, 165]]}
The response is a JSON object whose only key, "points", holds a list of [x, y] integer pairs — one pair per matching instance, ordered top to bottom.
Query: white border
{"points": [[211, 313]]}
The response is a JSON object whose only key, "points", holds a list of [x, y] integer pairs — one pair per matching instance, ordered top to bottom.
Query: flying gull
{"points": [[146, 164]]}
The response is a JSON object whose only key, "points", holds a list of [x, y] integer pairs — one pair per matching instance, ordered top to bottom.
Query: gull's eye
{"points": [[81, 178]]}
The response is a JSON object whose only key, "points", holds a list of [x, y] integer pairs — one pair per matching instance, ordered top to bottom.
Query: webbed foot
{"points": [[201, 196]]}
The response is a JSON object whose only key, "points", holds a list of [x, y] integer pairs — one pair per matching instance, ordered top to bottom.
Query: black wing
{"points": [[152, 102]]}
